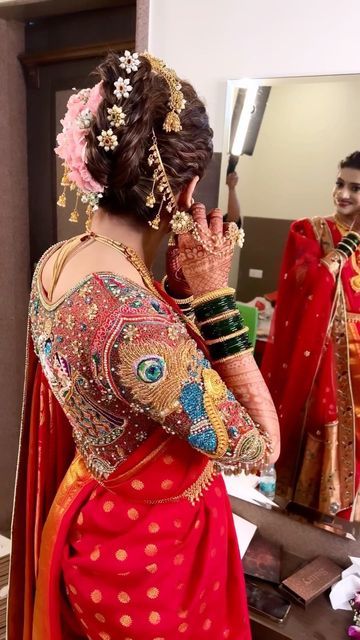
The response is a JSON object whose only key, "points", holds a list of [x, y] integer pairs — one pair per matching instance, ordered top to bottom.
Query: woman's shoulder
{"points": [[49, 256], [132, 297]]}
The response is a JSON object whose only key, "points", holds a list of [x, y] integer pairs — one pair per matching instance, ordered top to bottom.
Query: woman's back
{"points": [[86, 258], [70, 336]]}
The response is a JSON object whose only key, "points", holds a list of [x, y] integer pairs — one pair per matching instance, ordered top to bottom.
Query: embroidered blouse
{"points": [[121, 363]]}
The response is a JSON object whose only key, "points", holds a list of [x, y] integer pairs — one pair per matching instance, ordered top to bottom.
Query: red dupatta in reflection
{"points": [[307, 369]]}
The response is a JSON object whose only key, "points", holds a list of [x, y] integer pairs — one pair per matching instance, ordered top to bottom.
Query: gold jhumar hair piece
{"points": [[177, 101], [181, 222]]}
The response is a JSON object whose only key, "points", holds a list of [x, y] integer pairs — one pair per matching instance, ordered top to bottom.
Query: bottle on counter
{"points": [[267, 482]]}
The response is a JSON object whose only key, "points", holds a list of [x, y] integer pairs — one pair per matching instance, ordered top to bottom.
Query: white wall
{"points": [[211, 41]]}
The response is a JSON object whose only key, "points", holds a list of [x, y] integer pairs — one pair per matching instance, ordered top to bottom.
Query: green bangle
{"points": [[353, 236], [350, 243], [342, 246], [215, 307], [221, 328], [229, 347], [218, 354]]}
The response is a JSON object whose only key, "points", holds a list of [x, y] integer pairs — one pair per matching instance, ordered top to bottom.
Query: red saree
{"points": [[311, 365], [148, 552]]}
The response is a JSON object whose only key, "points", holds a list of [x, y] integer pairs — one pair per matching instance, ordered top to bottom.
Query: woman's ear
{"points": [[185, 197]]}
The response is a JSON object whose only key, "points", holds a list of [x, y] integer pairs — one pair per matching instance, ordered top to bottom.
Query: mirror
{"points": [[286, 137]]}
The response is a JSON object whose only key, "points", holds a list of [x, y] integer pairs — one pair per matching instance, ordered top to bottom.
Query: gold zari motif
{"points": [[161, 396], [196, 490]]}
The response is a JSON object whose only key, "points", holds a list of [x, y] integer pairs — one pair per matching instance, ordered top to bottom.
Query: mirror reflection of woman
{"points": [[312, 362], [122, 527]]}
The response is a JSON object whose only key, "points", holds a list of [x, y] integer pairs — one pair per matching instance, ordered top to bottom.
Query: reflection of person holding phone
{"points": [[233, 208], [312, 362]]}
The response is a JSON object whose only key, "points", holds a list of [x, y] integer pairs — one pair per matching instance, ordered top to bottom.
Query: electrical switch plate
{"points": [[255, 273]]}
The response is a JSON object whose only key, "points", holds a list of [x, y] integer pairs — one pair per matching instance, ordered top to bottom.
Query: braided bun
{"points": [[124, 172]]}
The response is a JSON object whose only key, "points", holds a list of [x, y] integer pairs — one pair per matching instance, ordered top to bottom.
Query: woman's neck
{"points": [[345, 221], [143, 239]]}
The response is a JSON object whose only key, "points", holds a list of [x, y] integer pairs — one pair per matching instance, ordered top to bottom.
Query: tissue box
{"points": [[307, 583]]}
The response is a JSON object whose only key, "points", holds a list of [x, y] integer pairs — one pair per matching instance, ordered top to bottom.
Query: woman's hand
{"points": [[232, 179], [206, 252], [335, 260], [176, 284]]}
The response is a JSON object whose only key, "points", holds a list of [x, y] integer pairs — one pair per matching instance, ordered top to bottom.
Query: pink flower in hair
{"points": [[81, 107]]}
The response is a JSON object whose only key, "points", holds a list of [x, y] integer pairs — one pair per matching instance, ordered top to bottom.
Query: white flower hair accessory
{"points": [[129, 62], [122, 88], [116, 116], [85, 119], [108, 140]]}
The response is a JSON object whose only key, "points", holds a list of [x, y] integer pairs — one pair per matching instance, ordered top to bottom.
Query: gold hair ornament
{"points": [[177, 101], [181, 221]]}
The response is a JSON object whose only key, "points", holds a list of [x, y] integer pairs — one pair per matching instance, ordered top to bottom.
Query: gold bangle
{"points": [[213, 295], [178, 301], [182, 301], [221, 316], [228, 337], [235, 355]]}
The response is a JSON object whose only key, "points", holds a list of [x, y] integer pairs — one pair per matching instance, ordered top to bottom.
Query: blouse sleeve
{"points": [[146, 357]]}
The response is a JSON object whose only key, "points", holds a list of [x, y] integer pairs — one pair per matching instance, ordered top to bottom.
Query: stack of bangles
{"points": [[348, 244], [185, 304], [221, 324]]}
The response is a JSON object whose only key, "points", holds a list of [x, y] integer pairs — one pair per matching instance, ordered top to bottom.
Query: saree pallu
{"points": [[310, 368], [45, 453], [144, 555]]}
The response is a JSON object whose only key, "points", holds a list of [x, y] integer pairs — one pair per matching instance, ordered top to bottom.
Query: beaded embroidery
{"points": [[120, 363]]}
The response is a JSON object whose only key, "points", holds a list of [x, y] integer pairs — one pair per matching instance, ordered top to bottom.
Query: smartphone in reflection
{"points": [[265, 601]]}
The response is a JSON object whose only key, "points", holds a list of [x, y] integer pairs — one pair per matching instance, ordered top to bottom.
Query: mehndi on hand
{"points": [[207, 251]]}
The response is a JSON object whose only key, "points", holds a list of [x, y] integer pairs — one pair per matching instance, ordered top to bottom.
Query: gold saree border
{"points": [[322, 233], [354, 350], [344, 394], [345, 403], [77, 478], [113, 483]]}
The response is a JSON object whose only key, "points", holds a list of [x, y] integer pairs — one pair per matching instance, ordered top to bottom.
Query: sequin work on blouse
{"points": [[121, 362]]}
